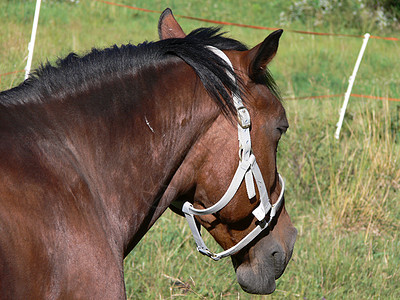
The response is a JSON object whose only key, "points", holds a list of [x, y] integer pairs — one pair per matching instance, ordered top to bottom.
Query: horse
{"points": [[94, 148]]}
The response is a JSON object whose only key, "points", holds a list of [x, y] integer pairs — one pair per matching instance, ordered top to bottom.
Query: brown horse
{"points": [[94, 149]]}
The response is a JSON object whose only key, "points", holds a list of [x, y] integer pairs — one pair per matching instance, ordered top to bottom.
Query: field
{"points": [[343, 196]]}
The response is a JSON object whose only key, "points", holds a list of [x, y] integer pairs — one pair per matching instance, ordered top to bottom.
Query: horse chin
{"points": [[264, 262], [254, 283]]}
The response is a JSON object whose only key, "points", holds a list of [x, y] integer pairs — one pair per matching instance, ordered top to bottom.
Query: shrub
{"points": [[362, 14]]}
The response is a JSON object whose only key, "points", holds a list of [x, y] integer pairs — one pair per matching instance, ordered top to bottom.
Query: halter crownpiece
{"points": [[248, 170]]}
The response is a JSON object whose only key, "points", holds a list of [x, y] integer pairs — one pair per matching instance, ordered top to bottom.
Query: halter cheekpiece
{"points": [[248, 170]]}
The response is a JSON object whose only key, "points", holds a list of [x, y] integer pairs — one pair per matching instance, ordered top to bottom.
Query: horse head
{"points": [[212, 162]]}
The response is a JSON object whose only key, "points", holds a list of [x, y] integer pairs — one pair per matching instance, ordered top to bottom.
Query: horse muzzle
{"points": [[265, 261]]}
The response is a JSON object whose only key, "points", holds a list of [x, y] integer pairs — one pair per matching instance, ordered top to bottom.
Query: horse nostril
{"points": [[279, 255], [279, 263]]}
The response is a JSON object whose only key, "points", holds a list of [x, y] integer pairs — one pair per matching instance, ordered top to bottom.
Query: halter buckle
{"points": [[243, 117]]}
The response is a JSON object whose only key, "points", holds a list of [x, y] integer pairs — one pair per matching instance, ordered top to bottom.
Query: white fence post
{"points": [[33, 37], [349, 88]]}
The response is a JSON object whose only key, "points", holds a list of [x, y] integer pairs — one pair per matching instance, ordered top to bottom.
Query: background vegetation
{"points": [[342, 195]]}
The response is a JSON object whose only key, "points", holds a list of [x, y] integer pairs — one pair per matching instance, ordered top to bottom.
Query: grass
{"points": [[342, 195]]}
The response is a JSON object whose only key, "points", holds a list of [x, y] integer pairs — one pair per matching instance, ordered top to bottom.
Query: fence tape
{"points": [[250, 26], [13, 72], [341, 95], [313, 97], [375, 97]]}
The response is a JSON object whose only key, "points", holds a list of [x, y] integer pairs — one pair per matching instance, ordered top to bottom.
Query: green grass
{"points": [[342, 195]]}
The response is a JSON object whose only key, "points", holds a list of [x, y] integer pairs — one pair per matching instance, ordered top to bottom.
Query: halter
{"points": [[247, 170]]}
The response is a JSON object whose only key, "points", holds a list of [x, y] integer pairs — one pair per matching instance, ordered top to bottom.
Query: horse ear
{"points": [[168, 27], [260, 56]]}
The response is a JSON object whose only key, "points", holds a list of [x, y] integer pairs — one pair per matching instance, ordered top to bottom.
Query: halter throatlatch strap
{"points": [[248, 171]]}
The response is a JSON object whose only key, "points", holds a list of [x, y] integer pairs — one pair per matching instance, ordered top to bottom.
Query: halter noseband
{"points": [[247, 170]]}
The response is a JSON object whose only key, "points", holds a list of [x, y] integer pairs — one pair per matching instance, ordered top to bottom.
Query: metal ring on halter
{"points": [[243, 117]]}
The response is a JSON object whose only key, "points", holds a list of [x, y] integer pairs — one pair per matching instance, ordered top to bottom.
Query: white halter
{"points": [[246, 170]]}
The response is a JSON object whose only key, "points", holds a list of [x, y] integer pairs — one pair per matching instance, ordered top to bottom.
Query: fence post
{"points": [[33, 37], [349, 88]]}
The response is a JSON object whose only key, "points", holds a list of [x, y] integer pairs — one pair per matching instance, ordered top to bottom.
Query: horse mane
{"points": [[76, 74]]}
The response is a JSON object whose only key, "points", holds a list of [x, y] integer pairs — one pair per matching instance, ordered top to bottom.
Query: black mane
{"points": [[75, 74]]}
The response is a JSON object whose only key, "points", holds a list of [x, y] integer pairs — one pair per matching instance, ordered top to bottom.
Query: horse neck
{"points": [[129, 155]]}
